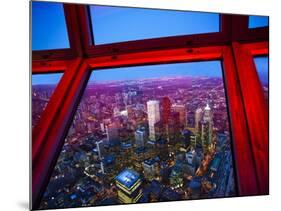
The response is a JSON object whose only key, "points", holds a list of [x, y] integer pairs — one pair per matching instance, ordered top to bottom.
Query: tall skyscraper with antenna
{"points": [[207, 128]]}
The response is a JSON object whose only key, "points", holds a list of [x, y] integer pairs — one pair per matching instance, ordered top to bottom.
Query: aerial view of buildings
{"points": [[40, 98], [134, 105], [144, 140]]}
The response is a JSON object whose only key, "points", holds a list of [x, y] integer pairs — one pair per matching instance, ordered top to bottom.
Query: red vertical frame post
{"points": [[256, 110], [243, 155]]}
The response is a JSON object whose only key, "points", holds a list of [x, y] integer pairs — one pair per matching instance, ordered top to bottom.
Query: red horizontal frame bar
{"points": [[233, 27], [257, 49], [52, 55], [156, 57], [42, 67]]}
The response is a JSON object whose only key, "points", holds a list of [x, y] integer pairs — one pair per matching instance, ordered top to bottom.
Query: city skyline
{"points": [[192, 69], [148, 132], [173, 138]]}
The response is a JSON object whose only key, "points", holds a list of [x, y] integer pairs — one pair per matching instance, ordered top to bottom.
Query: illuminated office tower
{"points": [[125, 98], [166, 109], [130, 111], [116, 112], [153, 113], [182, 113], [207, 114], [198, 117], [190, 118], [102, 127], [207, 127], [173, 131], [112, 132], [140, 137], [193, 141], [100, 149], [162, 149], [126, 152], [191, 157], [108, 165], [102, 168], [150, 168], [128, 184]]}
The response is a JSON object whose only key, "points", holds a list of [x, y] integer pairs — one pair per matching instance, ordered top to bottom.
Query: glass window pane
{"points": [[258, 21], [119, 24], [48, 26], [262, 69], [43, 86], [161, 124]]}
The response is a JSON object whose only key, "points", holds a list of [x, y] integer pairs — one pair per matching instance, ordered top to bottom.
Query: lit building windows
{"points": [[120, 106], [156, 108]]}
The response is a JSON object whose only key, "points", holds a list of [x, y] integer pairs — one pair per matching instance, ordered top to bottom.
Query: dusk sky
{"points": [[258, 21], [115, 24], [48, 26], [262, 68], [208, 69], [52, 78]]}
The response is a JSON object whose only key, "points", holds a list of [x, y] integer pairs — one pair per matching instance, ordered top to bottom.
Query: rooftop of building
{"points": [[125, 145], [109, 159], [150, 161], [128, 177]]}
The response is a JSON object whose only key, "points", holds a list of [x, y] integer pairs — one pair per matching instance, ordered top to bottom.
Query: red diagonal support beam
{"points": [[48, 138]]}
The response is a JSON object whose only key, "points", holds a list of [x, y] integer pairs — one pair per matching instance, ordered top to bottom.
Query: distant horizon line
{"points": [[153, 78], [144, 79]]}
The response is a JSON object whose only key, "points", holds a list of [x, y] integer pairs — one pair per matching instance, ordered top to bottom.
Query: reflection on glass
{"points": [[258, 21], [119, 24], [48, 26], [262, 69], [43, 86], [146, 134]]}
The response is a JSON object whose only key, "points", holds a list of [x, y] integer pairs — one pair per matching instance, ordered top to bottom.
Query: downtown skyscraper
{"points": [[153, 113]]}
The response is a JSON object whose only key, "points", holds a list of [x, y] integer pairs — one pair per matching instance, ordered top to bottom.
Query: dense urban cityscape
{"points": [[40, 97], [148, 140]]}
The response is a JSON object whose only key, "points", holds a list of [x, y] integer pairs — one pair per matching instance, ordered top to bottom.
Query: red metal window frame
{"points": [[234, 45], [256, 107]]}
